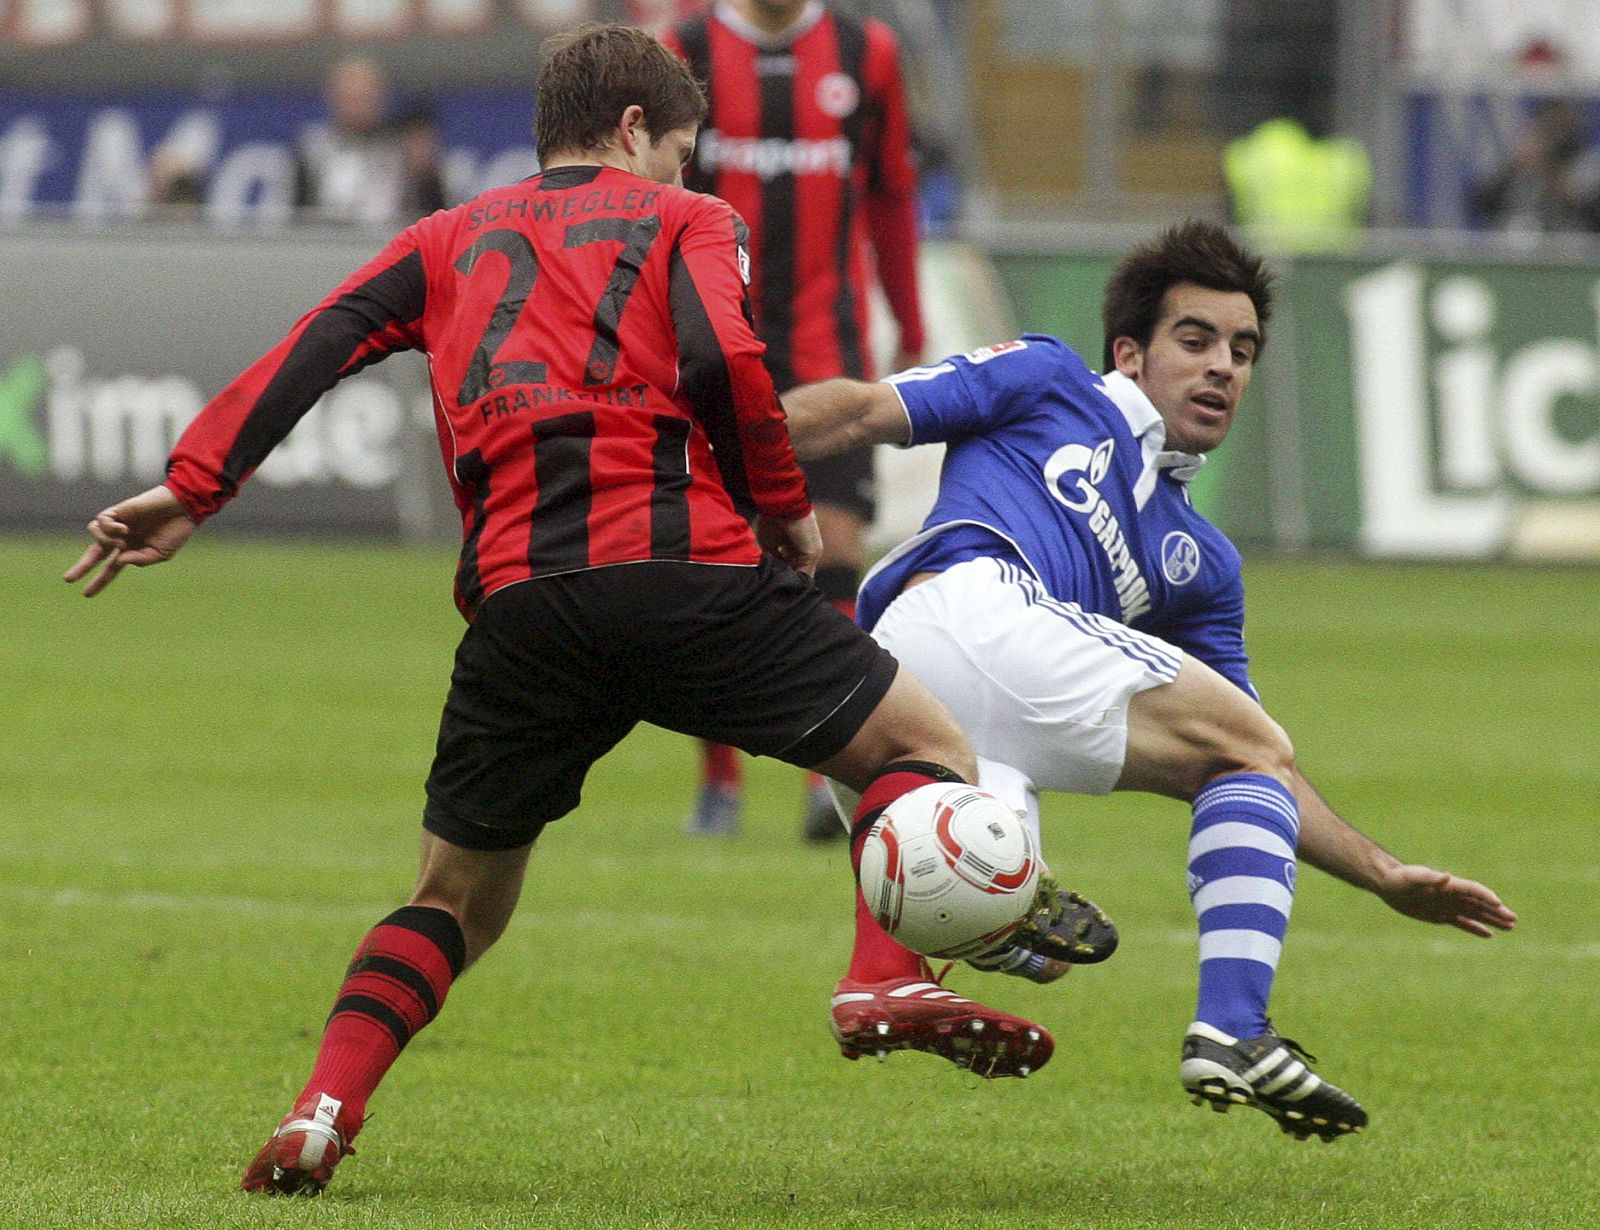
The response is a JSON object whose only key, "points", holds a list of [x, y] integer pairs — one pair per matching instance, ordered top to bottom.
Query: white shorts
{"points": [[1037, 684]]}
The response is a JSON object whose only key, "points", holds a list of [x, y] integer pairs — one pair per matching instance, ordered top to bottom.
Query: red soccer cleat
{"points": [[917, 1014], [299, 1157]]}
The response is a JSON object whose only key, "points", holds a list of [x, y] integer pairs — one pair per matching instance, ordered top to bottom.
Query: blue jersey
{"points": [[1065, 471]]}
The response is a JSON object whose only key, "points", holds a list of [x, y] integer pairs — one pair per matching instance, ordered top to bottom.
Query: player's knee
{"points": [[910, 723], [938, 740], [1263, 748], [1279, 754], [952, 756], [867, 757], [956, 757], [478, 888]]}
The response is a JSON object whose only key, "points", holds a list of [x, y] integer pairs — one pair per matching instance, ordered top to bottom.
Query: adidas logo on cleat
{"points": [[300, 1155]]}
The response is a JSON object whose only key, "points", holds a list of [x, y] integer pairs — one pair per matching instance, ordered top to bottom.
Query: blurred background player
{"points": [[808, 139], [369, 162], [1550, 180], [176, 186], [613, 577], [1085, 624]]}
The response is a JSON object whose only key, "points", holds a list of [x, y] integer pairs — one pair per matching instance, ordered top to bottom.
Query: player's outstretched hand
{"points": [[146, 529], [796, 543], [1439, 897]]}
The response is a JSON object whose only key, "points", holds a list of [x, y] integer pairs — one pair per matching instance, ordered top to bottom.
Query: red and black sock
{"points": [[719, 766], [877, 956], [395, 985]]}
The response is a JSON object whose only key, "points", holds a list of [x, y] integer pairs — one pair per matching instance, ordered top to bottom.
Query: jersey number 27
{"points": [[487, 371]]}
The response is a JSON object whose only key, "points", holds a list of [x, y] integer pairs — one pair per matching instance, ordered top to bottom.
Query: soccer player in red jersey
{"points": [[808, 140], [607, 423]]}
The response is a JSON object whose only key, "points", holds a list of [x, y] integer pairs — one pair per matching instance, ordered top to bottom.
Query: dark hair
{"points": [[593, 74], [1194, 251]]}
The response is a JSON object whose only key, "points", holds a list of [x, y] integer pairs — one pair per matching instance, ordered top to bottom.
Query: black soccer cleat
{"points": [[1066, 926], [1062, 929], [1271, 1074]]}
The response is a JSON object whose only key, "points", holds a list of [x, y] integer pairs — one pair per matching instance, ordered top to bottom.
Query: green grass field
{"points": [[210, 783]]}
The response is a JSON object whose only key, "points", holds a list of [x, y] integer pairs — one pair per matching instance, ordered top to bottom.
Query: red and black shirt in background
{"points": [[808, 140], [599, 394]]}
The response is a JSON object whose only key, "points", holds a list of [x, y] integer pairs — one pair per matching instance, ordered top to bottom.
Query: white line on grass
{"points": [[177, 903], [1435, 942]]}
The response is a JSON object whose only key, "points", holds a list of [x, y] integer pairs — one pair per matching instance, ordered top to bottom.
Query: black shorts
{"points": [[846, 481], [554, 672]]}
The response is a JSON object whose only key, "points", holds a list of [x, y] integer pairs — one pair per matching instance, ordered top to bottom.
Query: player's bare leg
{"points": [[1200, 738], [479, 888], [394, 986], [890, 999]]}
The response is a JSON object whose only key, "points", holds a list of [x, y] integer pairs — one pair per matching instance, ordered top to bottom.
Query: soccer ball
{"points": [[949, 870]]}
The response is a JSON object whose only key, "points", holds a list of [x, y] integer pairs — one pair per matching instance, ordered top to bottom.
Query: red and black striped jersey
{"points": [[808, 140], [598, 389]]}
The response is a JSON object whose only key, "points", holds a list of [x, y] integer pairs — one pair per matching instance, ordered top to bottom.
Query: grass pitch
{"points": [[210, 783]]}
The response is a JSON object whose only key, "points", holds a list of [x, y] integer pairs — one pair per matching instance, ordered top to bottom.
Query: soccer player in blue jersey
{"points": [[1086, 626]]}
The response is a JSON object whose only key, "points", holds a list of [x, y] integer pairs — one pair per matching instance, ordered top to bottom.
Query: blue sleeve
{"points": [[966, 395], [1214, 633]]}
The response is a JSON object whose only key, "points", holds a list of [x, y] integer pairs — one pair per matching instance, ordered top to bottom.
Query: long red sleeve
{"points": [[891, 201], [371, 314], [721, 369]]}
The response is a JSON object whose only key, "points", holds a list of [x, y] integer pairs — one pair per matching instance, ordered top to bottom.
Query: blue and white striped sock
{"points": [[1241, 881]]}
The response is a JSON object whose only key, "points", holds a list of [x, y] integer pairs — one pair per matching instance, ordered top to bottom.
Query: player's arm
{"points": [[891, 197], [374, 312], [722, 374], [962, 396], [833, 416], [1215, 636], [1331, 844]]}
